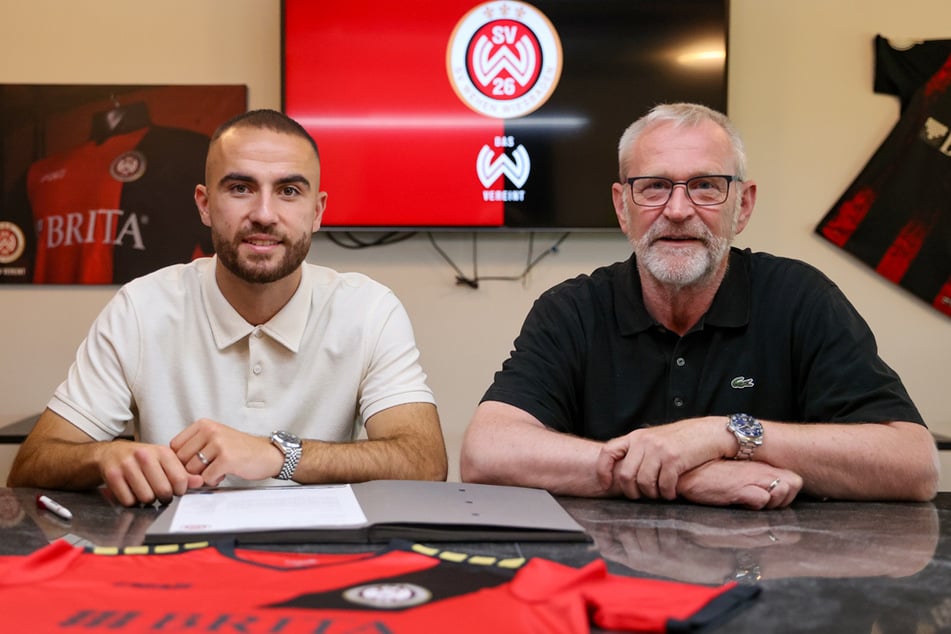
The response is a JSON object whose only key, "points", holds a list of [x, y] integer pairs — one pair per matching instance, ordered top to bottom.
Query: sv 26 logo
{"points": [[504, 59]]}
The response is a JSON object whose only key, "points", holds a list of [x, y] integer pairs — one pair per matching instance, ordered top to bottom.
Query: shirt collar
{"points": [[731, 304], [730, 308], [630, 312], [228, 327]]}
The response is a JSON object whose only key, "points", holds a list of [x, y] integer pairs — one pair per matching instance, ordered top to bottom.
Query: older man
{"points": [[695, 369]]}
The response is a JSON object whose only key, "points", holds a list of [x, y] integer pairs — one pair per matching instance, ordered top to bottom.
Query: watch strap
{"points": [[292, 448], [747, 448], [291, 459]]}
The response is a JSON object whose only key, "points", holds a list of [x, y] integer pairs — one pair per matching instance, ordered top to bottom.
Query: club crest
{"points": [[504, 59], [128, 166], [12, 242], [388, 595]]}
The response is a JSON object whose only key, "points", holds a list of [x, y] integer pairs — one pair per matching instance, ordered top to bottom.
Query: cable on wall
{"points": [[349, 240], [473, 280]]}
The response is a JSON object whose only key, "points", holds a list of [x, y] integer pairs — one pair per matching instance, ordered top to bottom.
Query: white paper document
{"points": [[287, 508]]}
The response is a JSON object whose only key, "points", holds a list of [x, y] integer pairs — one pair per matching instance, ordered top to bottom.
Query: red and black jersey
{"points": [[114, 208], [896, 215], [62, 588]]}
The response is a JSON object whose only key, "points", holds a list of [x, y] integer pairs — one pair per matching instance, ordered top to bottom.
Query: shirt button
{"points": [[258, 333], [681, 362], [257, 369], [678, 402]]}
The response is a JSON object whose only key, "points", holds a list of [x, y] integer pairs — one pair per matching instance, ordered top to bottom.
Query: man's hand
{"points": [[214, 450], [648, 462], [142, 473], [755, 485]]}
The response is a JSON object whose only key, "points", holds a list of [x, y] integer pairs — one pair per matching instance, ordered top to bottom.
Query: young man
{"points": [[225, 364], [693, 369]]}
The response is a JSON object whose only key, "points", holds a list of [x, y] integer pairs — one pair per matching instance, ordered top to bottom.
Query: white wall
{"points": [[800, 92]]}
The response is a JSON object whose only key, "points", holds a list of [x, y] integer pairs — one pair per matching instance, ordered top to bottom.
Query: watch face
{"points": [[746, 425], [287, 438]]}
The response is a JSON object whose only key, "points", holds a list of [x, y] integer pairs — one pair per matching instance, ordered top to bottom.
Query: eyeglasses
{"points": [[655, 191]]}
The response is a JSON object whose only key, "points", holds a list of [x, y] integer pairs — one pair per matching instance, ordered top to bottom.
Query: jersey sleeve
{"points": [[902, 70], [631, 604]]}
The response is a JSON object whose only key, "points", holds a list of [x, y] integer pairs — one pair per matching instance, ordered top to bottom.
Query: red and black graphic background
{"points": [[399, 148]]}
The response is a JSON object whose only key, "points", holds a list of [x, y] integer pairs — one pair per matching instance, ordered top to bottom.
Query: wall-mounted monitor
{"points": [[498, 115]]}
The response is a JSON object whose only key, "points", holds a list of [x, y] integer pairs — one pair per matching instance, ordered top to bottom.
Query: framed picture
{"points": [[98, 181]]}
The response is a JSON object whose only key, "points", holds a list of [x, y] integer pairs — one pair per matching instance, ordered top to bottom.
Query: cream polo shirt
{"points": [[169, 349]]}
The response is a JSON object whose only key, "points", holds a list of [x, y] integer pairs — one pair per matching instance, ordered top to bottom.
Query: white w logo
{"points": [[487, 67], [490, 167]]}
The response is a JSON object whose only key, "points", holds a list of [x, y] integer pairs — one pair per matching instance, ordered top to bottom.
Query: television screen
{"points": [[493, 115]]}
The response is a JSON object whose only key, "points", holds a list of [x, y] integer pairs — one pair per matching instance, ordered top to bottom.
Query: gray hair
{"points": [[681, 114]]}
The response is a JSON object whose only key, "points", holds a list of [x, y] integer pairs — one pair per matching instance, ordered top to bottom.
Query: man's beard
{"points": [[255, 268], [687, 268]]}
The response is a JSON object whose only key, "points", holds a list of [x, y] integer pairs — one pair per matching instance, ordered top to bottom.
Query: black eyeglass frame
{"points": [[730, 178]]}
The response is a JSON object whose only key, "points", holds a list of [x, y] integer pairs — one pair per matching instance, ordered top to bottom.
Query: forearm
{"points": [[404, 442], [501, 449], [393, 458], [882, 461], [57, 464], [748, 483]]}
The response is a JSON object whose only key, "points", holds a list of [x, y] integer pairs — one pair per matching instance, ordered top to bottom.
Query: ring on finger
{"points": [[204, 459], [773, 484]]}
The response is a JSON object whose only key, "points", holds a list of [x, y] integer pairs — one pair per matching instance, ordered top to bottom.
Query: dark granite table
{"points": [[822, 566]]}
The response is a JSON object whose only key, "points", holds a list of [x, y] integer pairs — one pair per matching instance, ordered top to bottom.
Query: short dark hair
{"points": [[268, 120]]}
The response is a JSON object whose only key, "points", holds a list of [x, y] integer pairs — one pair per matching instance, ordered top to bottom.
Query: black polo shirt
{"points": [[780, 342]]}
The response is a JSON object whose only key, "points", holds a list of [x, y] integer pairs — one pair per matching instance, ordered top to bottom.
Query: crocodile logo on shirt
{"points": [[740, 382]]}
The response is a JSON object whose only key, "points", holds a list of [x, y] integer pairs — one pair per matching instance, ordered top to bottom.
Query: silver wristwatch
{"points": [[748, 432], [290, 445]]}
